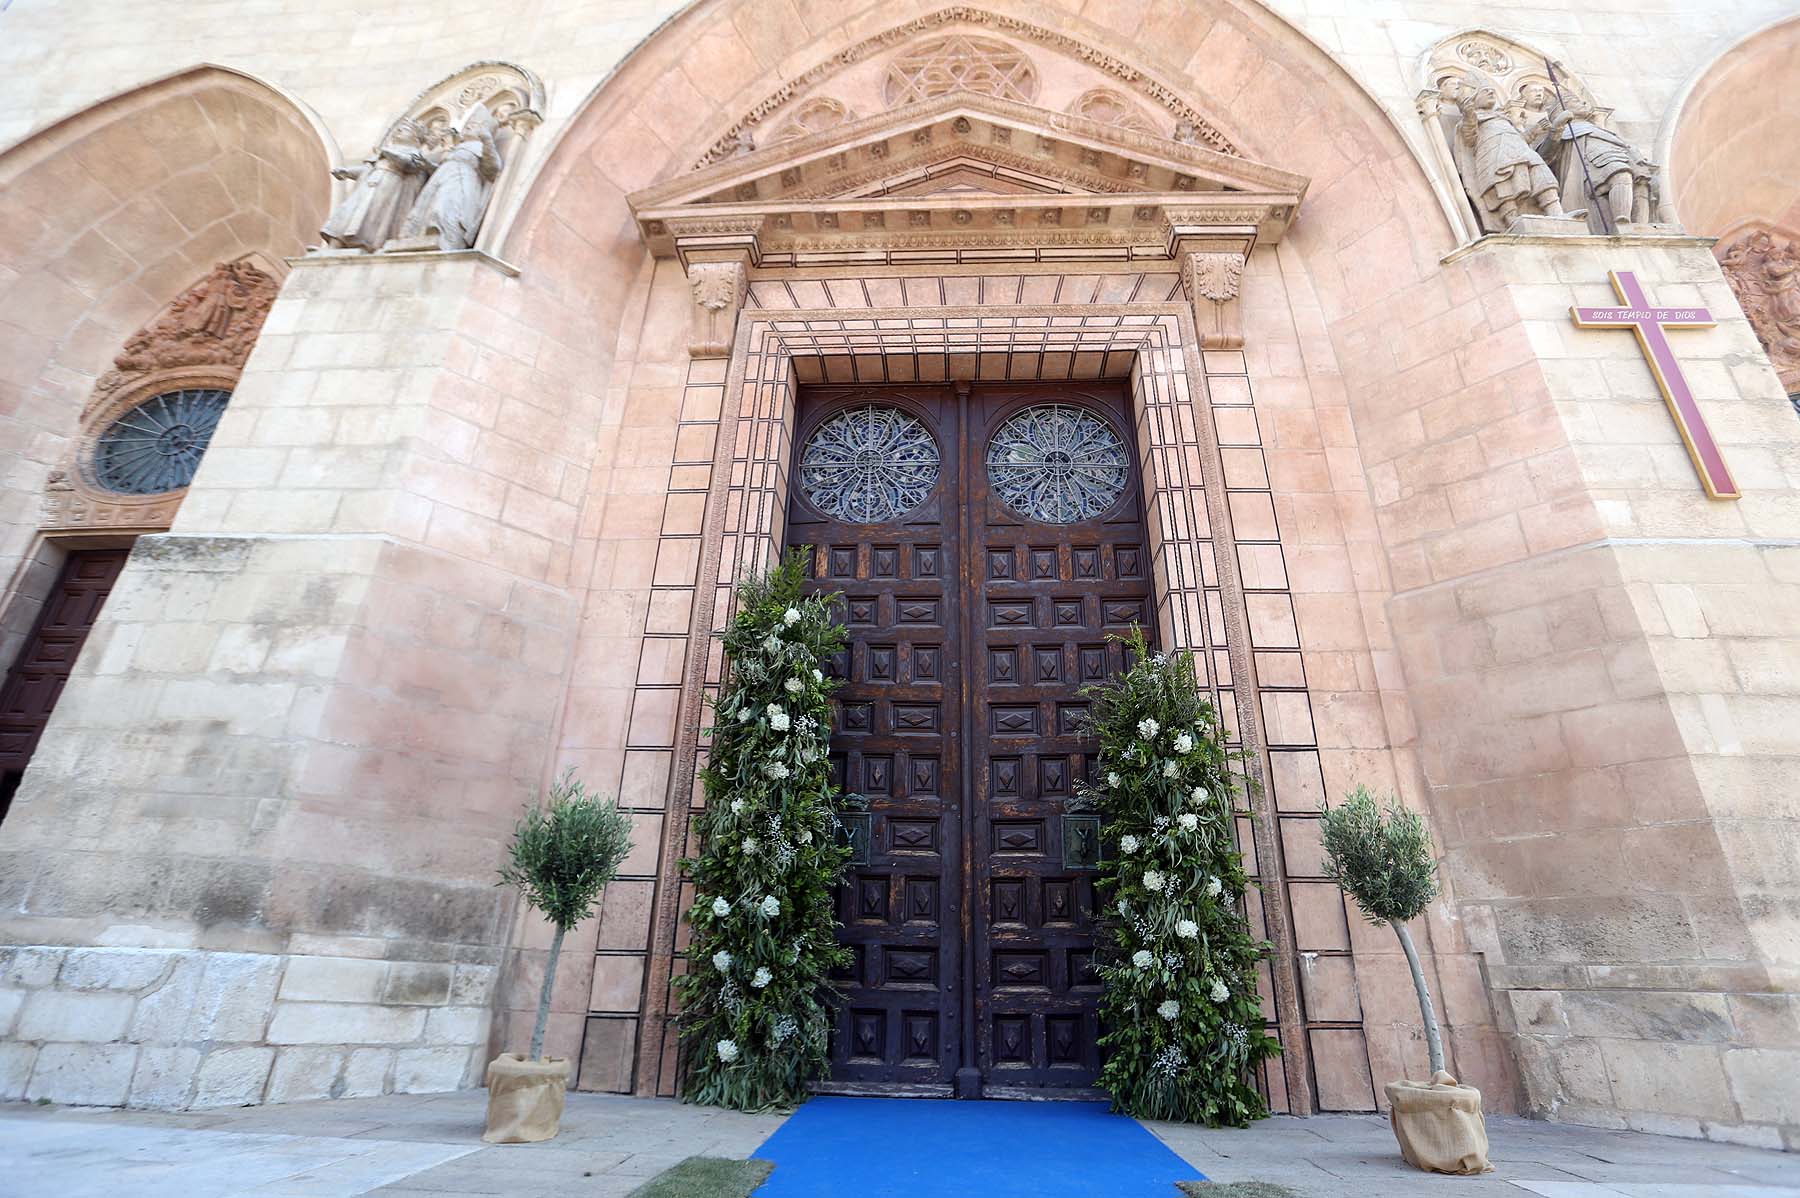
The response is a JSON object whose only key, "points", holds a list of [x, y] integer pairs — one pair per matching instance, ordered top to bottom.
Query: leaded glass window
{"points": [[157, 446], [1057, 464], [868, 465]]}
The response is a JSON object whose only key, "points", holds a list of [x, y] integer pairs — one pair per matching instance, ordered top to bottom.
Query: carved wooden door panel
{"points": [[878, 501], [1058, 538], [978, 603], [38, 676]]}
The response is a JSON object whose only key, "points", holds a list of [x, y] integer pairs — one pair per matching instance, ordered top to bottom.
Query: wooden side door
{"points": [[1048, 593], [37, 678], [900, 1023]]}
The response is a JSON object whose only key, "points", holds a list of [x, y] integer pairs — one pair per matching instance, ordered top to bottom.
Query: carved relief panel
{"points": [[1763, 267]]}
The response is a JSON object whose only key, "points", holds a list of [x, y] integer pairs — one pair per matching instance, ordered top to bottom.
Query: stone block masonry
{"points": [[175, 1029]]}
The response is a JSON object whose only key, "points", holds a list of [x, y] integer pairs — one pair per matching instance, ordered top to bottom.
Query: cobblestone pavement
{"points": [[419, 1145]]}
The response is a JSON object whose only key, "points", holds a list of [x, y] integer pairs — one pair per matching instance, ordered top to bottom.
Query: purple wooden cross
{"points": [[1648, 323]]}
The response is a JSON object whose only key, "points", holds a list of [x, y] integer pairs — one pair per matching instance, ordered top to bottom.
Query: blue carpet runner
{"points": [[925, 1148]]}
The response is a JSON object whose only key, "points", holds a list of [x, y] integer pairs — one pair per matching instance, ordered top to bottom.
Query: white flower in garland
{"points": [[791, 616], [772, 645], [818, 675], [793, 686], [778, 718], [1148, 728], [1184, 744], [1168, 769], [775, 770], [1112, 779], [1199, 797], [737, 806], [1188, 821], [805, 836], [1128, 843], [750, 846], [1153, 881], [1213, 887], [771, 907], [721, 908], [1124, 908], [1187, 929], [1142, 958], [721, 960], [763, 977], [1220, 992], [1170, 1010], [728, 1050]]}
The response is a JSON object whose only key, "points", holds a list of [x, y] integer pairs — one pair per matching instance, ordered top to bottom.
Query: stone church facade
{"points": [[338, 515]]}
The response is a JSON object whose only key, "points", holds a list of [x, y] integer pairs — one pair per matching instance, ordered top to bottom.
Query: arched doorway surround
{"points": [[1369, 240]]}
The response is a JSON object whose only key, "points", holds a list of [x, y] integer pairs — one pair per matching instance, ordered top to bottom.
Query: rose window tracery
{"points": [[157, 445], [1057, 464], [869, 465]]}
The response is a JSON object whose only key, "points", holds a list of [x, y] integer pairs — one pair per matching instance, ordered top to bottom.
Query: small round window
{"points": [[157, 446], [1057, 464], [868, 465]]}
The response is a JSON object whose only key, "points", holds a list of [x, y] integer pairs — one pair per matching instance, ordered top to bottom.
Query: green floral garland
{"points": [[1182, 1017], [756, 1021]]}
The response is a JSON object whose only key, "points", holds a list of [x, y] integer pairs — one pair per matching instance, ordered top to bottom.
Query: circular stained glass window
{"points": [[157, 446], [1057, 464], [868, 465]]}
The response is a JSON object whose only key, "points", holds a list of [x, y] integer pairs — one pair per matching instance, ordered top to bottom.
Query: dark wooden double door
{"points": [[972, 629]]}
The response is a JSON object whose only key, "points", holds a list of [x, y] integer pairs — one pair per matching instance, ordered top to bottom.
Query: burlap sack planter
{"points": [[525, 1098], [1439, 1125]]}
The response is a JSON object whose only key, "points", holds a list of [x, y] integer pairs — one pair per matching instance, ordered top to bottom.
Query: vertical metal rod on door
{"points": [[968, 1071]]}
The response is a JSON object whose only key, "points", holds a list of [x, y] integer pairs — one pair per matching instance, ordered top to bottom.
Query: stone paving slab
{"points": [[420, 1146]]}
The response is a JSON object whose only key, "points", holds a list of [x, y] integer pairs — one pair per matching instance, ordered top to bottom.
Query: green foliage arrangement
{"points": [[562, 853], [1384, 861], [1182, 1019], [756, 1021]]}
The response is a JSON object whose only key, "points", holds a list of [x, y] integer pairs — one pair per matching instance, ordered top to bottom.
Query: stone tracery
{"points": [[959, 62], [1203, 131]]}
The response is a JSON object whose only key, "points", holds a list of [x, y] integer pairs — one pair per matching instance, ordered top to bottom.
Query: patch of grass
{"points": [[706, 1177], [1234, 1189]]}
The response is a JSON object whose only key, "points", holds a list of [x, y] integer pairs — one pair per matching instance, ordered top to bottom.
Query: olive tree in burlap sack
{"points": [[563, 853], [1383, 860]]}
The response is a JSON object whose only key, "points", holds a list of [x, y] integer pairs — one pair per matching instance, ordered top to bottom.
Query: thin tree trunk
{"points": [[543, 1015], [1434, 1043]]}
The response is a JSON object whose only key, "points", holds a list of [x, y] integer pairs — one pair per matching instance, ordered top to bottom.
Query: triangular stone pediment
{"points": [[964, 172]]}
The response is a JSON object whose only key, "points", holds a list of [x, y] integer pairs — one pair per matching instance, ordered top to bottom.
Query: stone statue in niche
{"points": [[1578, 150], [1503, 175], [387, 184], [447, 215], [1764, 271]]}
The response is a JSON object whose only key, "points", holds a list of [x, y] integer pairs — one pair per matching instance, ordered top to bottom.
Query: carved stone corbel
{"points": [[1211, 282], [719, 288]]}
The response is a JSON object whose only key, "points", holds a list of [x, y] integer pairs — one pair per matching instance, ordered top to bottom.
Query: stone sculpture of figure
{"points": [[1579, 150], [1503, 175], [386, 186], [453, 201], [1765, 274]]}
